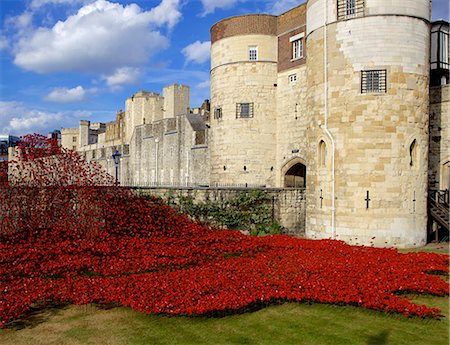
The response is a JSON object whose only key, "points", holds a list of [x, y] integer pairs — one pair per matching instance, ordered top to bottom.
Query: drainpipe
{"points": [[325, 126], [156, 160]]}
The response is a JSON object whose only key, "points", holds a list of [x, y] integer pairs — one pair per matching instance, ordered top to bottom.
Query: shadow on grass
{"points": [[42, 311], [37, 314], [379, 339]]}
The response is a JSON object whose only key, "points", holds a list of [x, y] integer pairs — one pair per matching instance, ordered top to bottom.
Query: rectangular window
{"points": [[350, 8], [297, 49], [253, 53], [292, 78], [373, 81], [244, 110], [218, 113], [74, 139], [93, 154]]}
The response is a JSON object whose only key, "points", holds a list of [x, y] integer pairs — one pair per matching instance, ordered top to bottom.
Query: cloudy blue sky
{"points": [[66, 60]]}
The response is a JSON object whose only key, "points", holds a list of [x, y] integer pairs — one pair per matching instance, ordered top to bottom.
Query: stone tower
{"points": [[243, 95], [367, 100]]}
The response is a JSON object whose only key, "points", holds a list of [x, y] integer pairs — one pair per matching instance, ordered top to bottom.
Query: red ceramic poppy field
{"points": [[64, 238]]}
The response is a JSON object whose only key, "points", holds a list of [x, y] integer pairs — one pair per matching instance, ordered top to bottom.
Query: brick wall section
{"points": [[291, 19], [263, 24], [285, 51], [289, 205]]}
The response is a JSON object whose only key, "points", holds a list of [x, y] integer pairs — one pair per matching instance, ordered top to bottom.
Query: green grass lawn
{"points": [[290, 323]]}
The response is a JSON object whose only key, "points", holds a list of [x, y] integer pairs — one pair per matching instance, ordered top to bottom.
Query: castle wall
{"points": [[176, 100], [143, 107], [292, 120], [373, 132], [70, 138], [242, 149], [165, 153], [439, 157], [288, 205]]}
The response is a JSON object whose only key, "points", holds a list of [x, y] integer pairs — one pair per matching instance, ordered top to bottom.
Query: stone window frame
{"points": [[350, 9], [253, 53], [292, 78], [374, 81], [244, 110], [218, 113], [74, 139], [322, 153], [94, 154], [413, 154]]}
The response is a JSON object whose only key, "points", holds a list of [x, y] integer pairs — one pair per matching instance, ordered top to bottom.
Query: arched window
{"points": [[413, 153], [322, 154]]}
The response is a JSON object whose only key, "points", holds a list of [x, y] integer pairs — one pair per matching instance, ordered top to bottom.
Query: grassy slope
{"points": [[290, 323]]}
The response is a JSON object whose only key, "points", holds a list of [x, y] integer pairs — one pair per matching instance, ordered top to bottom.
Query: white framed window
{"points": [[297, 45], [297, 49], [253, 53], [292, 78]]}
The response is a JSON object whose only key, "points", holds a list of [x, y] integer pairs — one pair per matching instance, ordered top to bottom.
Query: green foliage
{"points": [[252, 210]]}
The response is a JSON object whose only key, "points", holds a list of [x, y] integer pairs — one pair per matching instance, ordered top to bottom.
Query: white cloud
{"points": [[209, 6], [281, 6], [167, 12], [101, 37], [198, 52], [121, 76], [204, 84], [65, 95], [17, 119]]}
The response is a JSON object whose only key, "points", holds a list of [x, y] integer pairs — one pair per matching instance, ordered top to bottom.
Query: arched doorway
{"points": [[295, 176]]}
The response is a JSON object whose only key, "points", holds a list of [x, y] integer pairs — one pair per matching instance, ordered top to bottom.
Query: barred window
{"points": [[350, 8], [253, 53], [292, 78], [373, 81], [244, 110], [218, 113], [74, 139], [126, 149], [102, 153], [93, 154]]}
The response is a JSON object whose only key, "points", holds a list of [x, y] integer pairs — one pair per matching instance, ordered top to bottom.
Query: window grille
{"points": [[350, 8], [297, 49], [253, 53], [292, 78], [373, 81], [244, 110], [218, 113], [74, 139], [126, 149]]}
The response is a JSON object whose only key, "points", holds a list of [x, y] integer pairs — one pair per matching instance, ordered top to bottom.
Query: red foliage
{"points": [[72, 241]]}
